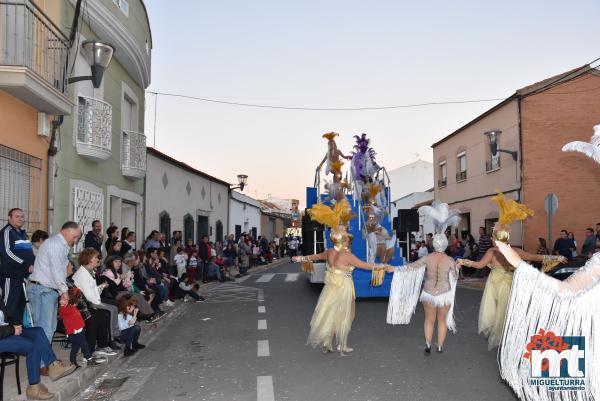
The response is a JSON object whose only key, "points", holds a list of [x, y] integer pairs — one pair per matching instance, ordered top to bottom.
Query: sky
{"points": [[343, 54]]}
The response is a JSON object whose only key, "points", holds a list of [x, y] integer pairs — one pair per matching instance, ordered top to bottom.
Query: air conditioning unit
{"points": [[43, 125]]}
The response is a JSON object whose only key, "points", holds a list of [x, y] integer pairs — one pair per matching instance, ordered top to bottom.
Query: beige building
{"points": [[531, 126]]}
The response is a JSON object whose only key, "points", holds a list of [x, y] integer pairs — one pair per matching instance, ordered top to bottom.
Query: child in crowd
{"points": [[181, 261], [192, 267], [213, 270], [188, 289], [74, 327], [130, 331]]}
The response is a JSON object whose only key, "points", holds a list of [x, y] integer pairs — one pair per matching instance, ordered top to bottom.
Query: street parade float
{"points": [[365, 185]]}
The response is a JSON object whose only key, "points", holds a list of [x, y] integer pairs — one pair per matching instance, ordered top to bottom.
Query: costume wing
{"points": [[583, 147]]}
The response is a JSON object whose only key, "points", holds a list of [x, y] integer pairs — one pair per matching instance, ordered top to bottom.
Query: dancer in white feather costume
{"points": [[440, 275]]}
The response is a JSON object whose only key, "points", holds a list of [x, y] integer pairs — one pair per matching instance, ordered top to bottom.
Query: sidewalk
{"points": [[66, 388]]}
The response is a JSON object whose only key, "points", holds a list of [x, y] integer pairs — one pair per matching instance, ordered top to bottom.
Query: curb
{"points": [[72, 385]]}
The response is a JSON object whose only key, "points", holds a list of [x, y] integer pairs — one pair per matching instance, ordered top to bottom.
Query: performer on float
{"points": [[333, 154], [439, 289], [540, 302], [492, 311], [334, 312]]}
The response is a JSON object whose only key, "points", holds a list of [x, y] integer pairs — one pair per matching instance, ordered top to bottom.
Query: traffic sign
{"points": [[551, 204]]}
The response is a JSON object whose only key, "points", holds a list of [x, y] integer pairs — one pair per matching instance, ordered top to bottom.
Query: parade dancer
{"points": [[440, 274], [540, 302], [492, 311], [334, 312]]}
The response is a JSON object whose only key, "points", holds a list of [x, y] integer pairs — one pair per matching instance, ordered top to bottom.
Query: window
{"points": [[123, 6], [493, 156], [461, 164], [443, 175], [20, 186], [88, 206], [164, 223], [188, 228], [219, 229]]}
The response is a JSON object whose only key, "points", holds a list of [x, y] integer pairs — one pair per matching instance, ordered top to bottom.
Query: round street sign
{"points": [[551, 204]]}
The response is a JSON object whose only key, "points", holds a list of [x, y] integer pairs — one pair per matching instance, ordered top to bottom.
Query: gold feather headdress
{"points": [[330, 135], [510, 210], [340, 215]]}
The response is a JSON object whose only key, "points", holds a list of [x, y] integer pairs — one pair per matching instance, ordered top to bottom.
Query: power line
{"points": [[270, 106]]}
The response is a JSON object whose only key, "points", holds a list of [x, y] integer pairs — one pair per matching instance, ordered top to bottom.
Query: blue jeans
{"points": [[44, 302], [131, 335], [34, 345]]}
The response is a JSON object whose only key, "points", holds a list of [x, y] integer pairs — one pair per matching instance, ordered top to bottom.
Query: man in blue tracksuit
{"points": [[16, 262]]}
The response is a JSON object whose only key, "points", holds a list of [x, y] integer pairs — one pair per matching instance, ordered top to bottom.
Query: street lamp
{"points": [[98, 56], [493, 136], [242, 181]]}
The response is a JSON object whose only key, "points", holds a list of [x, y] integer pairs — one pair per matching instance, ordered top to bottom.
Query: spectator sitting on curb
{"points": [[187, 289], [130, 331], [34, 345]]}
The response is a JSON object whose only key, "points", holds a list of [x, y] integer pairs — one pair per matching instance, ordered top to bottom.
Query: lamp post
{"points": [[98, 55], [493, 137], [242, 181]]}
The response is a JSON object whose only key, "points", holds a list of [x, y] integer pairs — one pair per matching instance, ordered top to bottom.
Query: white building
{"points": [[413, 177], [179, 197], [415, 200], [244, 215]]}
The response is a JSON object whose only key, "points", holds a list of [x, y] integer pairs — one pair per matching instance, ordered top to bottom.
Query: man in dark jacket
{"points": [[93, 239], [204, 252], [16, 260]]}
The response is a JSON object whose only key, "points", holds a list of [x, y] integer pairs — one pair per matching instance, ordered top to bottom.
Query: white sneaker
{"points": [[186, 298], [169, 303], [105, 352]]}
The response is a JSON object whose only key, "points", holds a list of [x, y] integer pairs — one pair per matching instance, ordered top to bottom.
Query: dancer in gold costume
{"points": [[492, 311], [334, 312]]}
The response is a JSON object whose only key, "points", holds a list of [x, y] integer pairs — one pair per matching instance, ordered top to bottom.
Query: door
{"points": [[128, 215], [203, 227], [188, 228], [219, 231], [238, 232], [254, 233]]}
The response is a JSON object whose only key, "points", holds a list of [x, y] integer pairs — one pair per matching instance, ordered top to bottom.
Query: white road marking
{"points": [[292, 276], [265, 278], [242, 279], [261, 295], [262, 309], [262, 324], [263, 348], [264, 388]]}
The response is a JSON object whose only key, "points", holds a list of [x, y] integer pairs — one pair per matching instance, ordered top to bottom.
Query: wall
{"points": [[550, 119], [18, 130], [413, 177], [174, 198], [244, 211]]}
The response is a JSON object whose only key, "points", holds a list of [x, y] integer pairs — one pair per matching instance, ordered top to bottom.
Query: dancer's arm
{"points": [[316, 256], [538, 258], [354, 261], [480, 264], [579, 281]]}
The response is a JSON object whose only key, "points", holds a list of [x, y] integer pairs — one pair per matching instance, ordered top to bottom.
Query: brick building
{"points": [[534, 123]]}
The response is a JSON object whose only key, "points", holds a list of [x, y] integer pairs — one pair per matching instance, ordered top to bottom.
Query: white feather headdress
{"points": [[441, 215]]}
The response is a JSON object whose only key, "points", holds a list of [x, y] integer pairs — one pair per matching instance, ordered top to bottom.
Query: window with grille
{"points": [[461, 163], [443, 180], [21, 186], [87, 206]]}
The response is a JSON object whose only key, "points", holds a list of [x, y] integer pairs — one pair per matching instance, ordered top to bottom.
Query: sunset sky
{"points": [[343, 54]]}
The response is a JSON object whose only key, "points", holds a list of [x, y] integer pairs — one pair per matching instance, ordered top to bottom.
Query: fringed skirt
{"points": [[440, 300], [492, 311], [334, 313]]}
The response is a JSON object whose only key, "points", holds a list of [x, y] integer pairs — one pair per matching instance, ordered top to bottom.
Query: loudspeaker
{"points": [[408, 220], [311, 225], [396, 227], [308, 242]]}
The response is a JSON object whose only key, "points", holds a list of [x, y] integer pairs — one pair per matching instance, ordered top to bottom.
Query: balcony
{"points": [[33, 57], [94, 129], [133, 154], [492, 165], [461, 176], [442, 183]]}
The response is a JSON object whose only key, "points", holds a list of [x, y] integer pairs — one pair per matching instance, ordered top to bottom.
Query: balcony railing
{"points": [[30, 39], [94, 128], [133, 154], [492, 165], [461, 176], [442, 183]]}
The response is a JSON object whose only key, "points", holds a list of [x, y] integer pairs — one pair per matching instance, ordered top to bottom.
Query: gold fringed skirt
{"points": [[494, 302], [334, 313]]}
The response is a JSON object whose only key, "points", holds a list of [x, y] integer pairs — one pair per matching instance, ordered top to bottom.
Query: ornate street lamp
{"points": [[98, 56], [493, 137], [242, 181]]}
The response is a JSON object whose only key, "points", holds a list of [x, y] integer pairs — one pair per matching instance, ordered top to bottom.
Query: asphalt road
{"points": [[248, 343]]}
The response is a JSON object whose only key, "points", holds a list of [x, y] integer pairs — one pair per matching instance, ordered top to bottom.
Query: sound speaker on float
{"points": [[408, 220], [309, 228]]}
